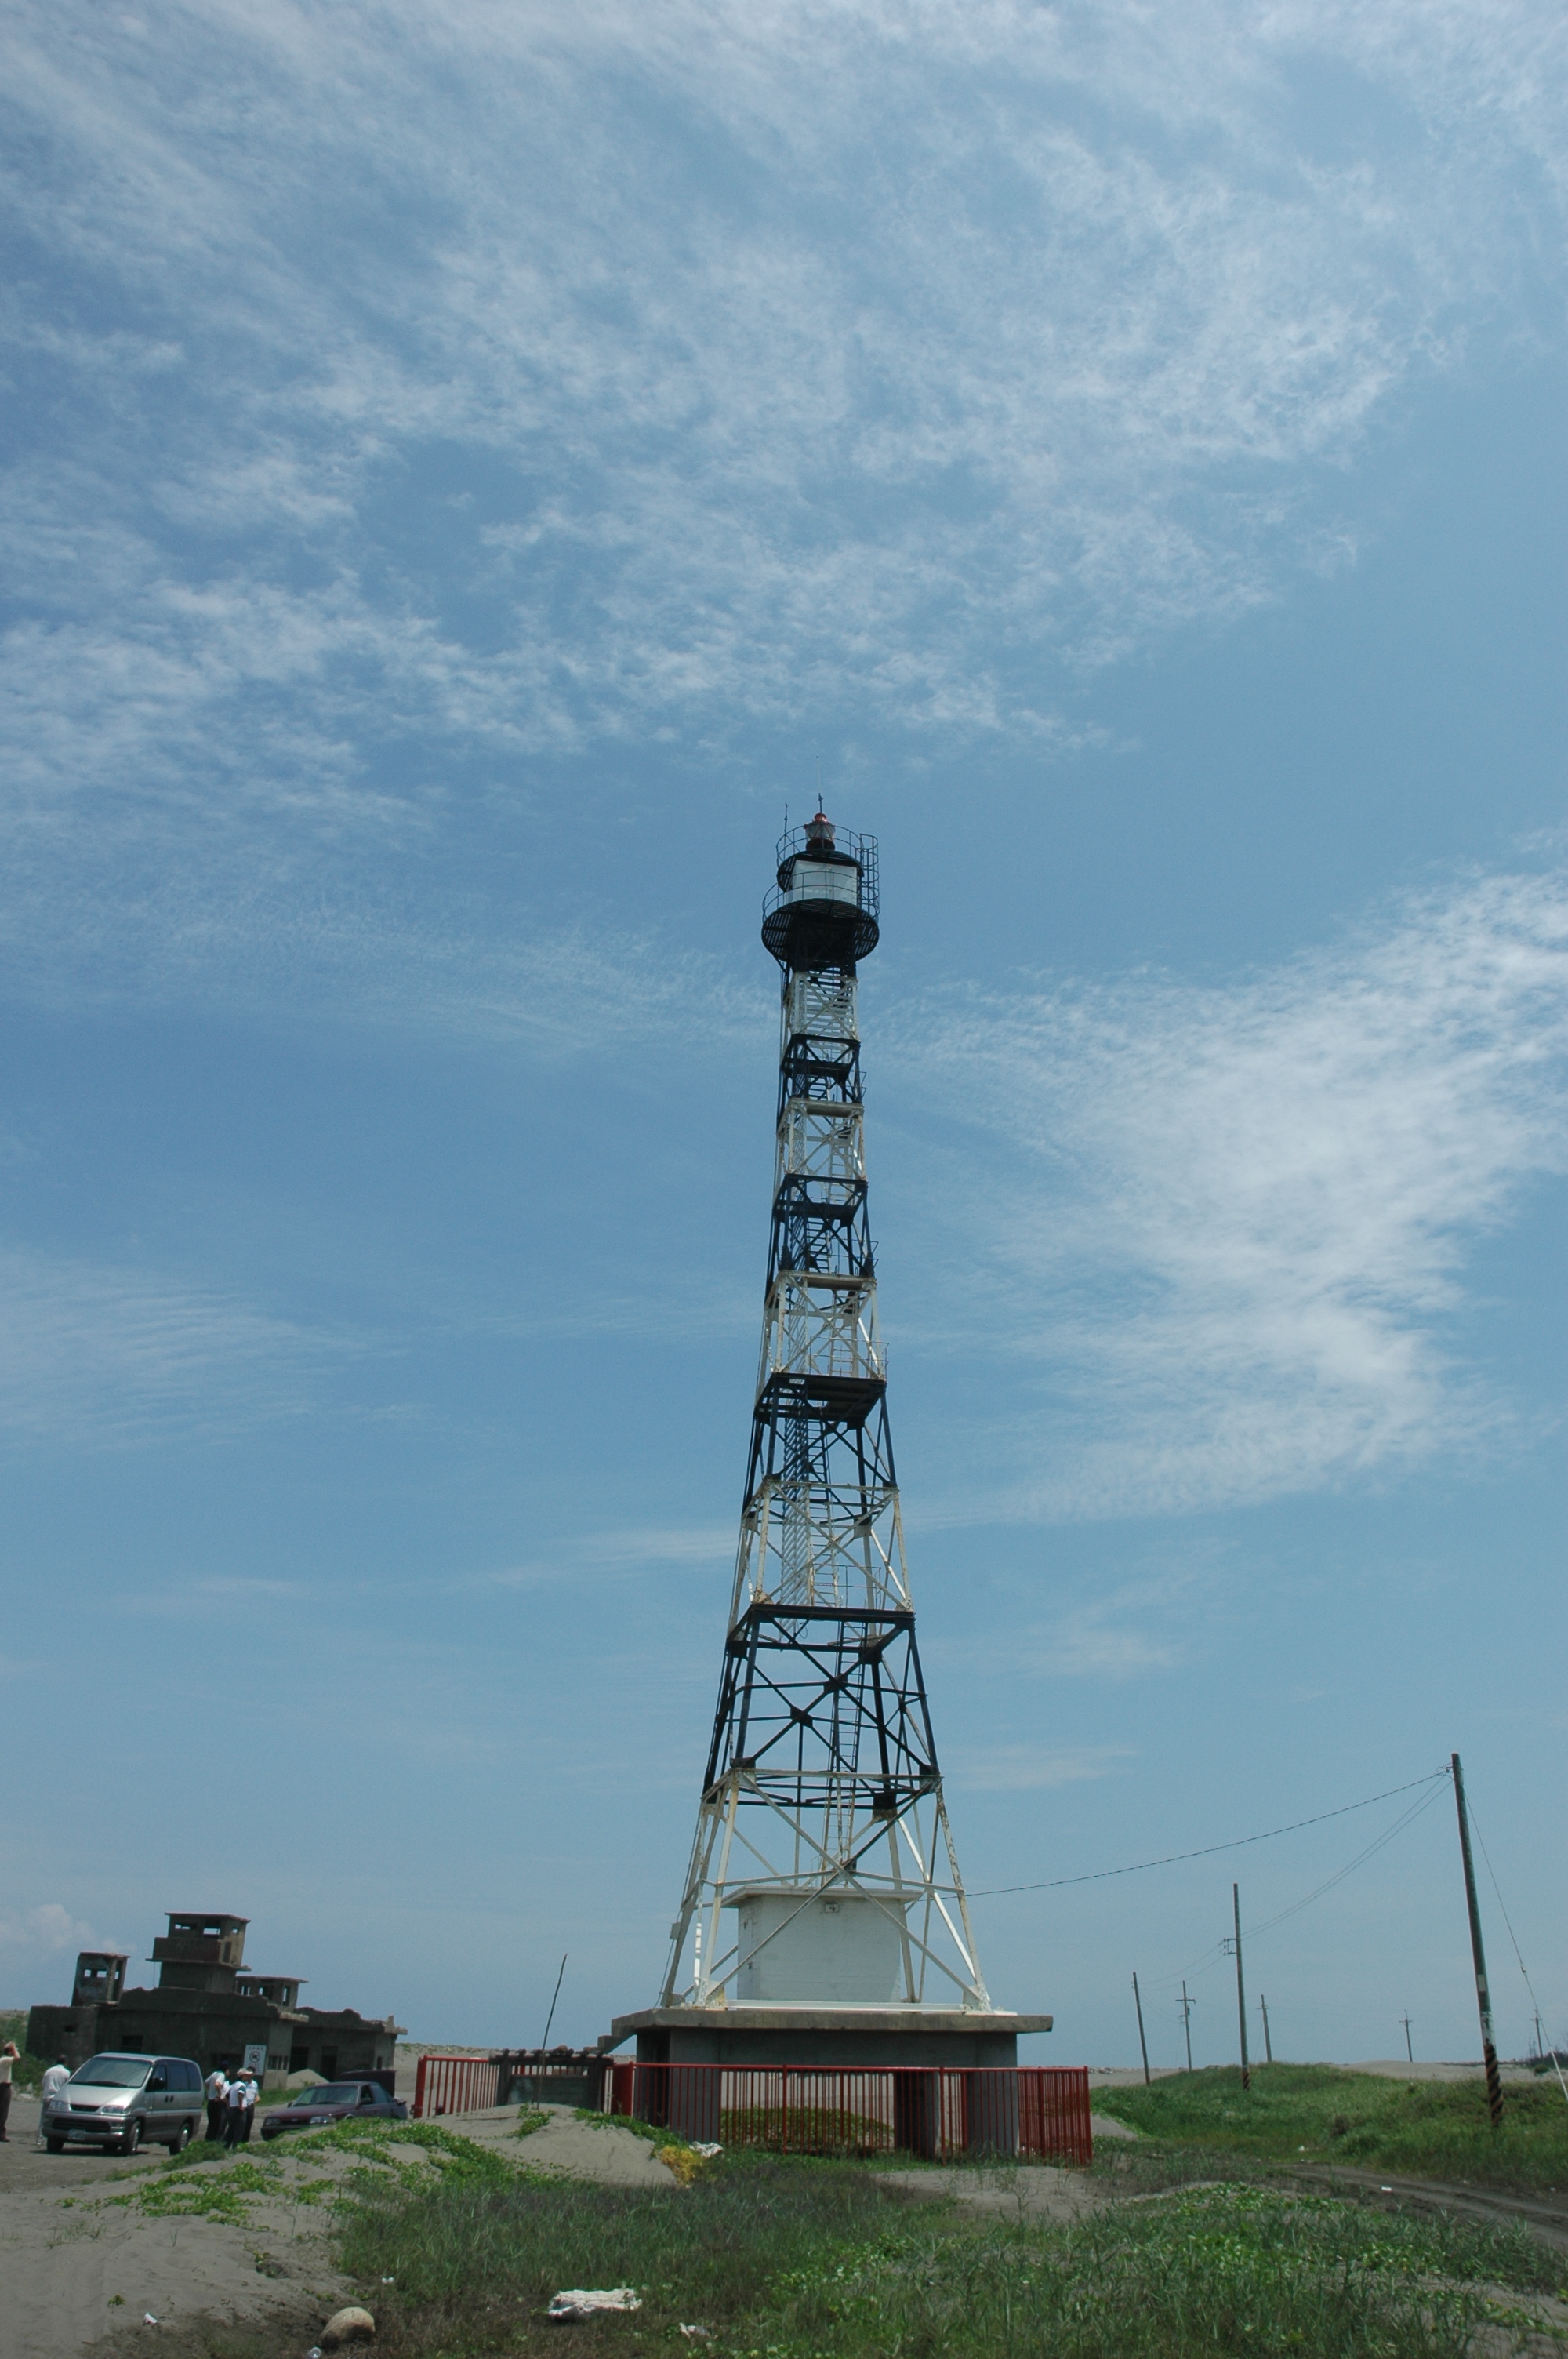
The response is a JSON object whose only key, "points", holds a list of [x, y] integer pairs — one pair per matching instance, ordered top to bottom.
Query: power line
{"points": [[1405, 1819], [1207, 1851], [1218, 1950]]}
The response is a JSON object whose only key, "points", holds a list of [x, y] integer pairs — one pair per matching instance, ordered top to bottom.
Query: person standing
{"points": [[10, 2054], [56, 2075], [248, 2081], [217, 2090], [234, 2114]]}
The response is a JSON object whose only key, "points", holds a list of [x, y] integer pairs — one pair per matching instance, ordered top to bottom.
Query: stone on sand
{"points": [[352, 2325]]}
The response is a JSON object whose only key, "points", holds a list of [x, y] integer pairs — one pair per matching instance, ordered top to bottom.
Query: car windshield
{"points": [[111, 2073], [335, 2092]]}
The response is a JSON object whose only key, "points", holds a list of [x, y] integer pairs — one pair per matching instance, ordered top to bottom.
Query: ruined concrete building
{"points": [[208, 2007]]}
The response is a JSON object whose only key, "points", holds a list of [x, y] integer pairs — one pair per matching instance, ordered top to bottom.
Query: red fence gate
{"points": [[453, 2084], [939, 2111]]}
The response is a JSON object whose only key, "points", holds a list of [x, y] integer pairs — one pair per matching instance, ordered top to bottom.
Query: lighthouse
{"points": [[823, 1918]]}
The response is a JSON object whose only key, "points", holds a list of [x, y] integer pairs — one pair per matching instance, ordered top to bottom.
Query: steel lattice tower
{"points": [[822, 1786]]}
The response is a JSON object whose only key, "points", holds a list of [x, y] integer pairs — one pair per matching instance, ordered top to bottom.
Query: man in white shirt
{"points": [[9, 2054], [54, 2079], [217, 2091], [236, 2118]]}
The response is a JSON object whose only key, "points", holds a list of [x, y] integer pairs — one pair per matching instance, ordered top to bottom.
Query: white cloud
{"points": [[513, 377], [1224, 1229], [91, 1353], [618, 1553], [219, 1597], [1029, 1768], [50, 1927]]}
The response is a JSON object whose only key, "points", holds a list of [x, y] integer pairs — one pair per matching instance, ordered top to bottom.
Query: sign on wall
{"points": [[255, 2059]]}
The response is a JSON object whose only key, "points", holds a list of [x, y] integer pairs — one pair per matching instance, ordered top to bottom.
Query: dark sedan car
{"points": [[334, 2101]]}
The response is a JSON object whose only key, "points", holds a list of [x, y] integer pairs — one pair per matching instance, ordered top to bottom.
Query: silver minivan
{"points": [[119, 2100]]}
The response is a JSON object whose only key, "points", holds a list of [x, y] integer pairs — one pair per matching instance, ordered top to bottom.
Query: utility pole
{"points": [[1478, 1955], [1240, 1987], [1187, 2006], [551, 2016], [1142, 2043], [1268, 2043], [1409, 2051]]}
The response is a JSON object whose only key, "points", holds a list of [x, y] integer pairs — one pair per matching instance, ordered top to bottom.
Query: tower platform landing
{"points": [[785, 2033]]}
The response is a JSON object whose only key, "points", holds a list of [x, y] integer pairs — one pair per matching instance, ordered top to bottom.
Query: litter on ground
{"points": [[570, 2307]]}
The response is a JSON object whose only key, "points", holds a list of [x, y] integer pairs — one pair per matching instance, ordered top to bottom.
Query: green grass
{"points": [[1430, 2129], [816, 2130], [656, 2133], [211, 2183], [784, 2259], [473, 2265], [1221, 2270]]}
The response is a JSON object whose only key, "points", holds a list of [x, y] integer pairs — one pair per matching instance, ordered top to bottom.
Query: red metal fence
{"points": [[453, 2084], [937, 2111]]}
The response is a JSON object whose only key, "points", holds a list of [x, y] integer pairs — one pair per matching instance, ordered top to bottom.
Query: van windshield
{"points": [[112, 2072]]}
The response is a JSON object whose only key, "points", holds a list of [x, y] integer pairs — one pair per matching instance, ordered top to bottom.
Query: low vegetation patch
{"points": [[808, 2129], [1430, 2129], [655, 2132], [352, 2162], [782, 2259], [475, 2266], [1223, 2269]]}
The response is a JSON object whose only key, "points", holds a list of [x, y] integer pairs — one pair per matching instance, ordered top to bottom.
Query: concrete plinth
{"points": [[801, 2034], [956, 2086]]}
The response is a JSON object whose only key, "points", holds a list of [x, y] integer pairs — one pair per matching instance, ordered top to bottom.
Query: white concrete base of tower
{"points": [[838, 1948]]}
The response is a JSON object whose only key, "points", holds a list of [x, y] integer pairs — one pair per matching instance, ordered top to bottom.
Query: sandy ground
{"points": [[612, 2156], [1023, 2190], [78, 2258], [78, 2263]]}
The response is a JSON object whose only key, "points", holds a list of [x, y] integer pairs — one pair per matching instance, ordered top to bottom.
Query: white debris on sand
{"points": [[570, 2309]]}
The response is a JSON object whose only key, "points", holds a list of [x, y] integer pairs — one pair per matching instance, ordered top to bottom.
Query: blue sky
{"points": [[463, 467]]}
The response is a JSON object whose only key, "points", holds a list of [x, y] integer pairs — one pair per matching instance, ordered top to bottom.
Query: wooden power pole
{"points": [[1478, 1955], [1240, 1989], [1187, 2023], [1142, 2043], [1268, 2043]]}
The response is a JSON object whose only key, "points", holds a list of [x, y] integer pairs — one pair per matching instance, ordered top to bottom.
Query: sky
{"points": [[469, 472]]}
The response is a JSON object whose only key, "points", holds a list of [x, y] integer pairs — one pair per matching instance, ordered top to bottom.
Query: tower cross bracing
{"points": [[822, 1786]]}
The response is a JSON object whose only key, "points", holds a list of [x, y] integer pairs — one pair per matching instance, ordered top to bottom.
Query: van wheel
{"points": [[132, 2138], [180, 2139], [54, 2146]]}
